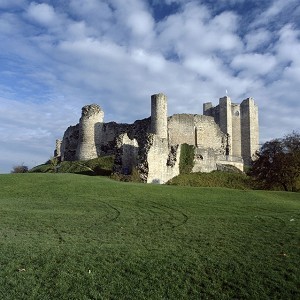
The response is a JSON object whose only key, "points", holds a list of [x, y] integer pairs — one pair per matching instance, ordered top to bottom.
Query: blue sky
{"points": [[57, 56]]}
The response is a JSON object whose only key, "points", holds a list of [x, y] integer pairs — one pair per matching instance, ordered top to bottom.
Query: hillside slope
{"points": [[67, 236]]}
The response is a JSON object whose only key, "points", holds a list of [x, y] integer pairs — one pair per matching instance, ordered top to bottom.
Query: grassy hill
{"points": [[97, 166], [214, 179], [67, 236]]}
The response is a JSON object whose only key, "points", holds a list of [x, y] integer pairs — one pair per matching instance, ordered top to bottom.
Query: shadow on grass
{"points": [[95, 172]]}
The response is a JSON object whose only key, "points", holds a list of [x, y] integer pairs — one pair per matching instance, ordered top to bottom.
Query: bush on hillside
{"points": [[101, 166], [19, 169], [133, 177], [214, 179]]}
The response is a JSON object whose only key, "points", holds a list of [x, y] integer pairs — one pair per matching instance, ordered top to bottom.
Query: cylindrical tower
{"points": [[159, 115], [90, 126]]}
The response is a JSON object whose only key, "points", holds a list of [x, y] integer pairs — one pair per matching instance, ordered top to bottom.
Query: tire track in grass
{"points": [[170, 211], [116, 214], [269, 214], [107, 218], [170, 218]]}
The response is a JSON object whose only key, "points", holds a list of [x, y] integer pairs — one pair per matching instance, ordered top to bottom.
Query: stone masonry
{"points": [[225, 135]]}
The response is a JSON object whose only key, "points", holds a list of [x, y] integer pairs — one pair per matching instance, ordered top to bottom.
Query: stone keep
{"points": [[240, 123], [226, 134]]}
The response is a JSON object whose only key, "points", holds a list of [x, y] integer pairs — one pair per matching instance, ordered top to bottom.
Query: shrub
{"points": [[186, 162], [19, 169], [133, 177], [214, 179]]}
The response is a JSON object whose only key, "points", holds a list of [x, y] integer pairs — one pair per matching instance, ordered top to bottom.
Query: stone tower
{"points": [[159, 115], [225, 119], [240, 122], [90, 128], [249, 129], [236, 130], [57, 151]]}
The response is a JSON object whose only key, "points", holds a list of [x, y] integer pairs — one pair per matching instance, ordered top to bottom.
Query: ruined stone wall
{"points": [[181, 129], [200, 131], [110, 132], [209, 134], [69, 143], [126, 154], [204, 160], [160, 167]]}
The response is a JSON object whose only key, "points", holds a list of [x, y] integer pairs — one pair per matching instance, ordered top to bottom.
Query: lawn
{"points": [[66, 236]]}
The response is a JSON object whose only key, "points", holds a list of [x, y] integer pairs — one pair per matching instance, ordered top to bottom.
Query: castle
{"points": [[227, 134]]}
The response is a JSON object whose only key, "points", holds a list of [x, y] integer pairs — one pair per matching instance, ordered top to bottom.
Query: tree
{"points": [[54, 163], [278, 163], [19, 169]]}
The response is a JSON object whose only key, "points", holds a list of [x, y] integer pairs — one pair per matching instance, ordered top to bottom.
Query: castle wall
{"points": [[181, 129], [197, 130], [110, 132], [209, 134], [69, 143], [129, 153], [204, 160], [159, 171]]}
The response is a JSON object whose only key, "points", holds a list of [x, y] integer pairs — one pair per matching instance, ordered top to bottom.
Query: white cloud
{"points": [[42, 13], [140, 23], [258, 39], [288, 46], [56, 59], [253, 64]]}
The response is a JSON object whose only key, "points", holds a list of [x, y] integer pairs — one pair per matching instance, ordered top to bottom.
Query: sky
{"points": [[57, 56]]}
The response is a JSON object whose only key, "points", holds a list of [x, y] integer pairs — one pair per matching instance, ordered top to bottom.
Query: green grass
{"points": [[97, 166], [214, 179], [67, 236]]}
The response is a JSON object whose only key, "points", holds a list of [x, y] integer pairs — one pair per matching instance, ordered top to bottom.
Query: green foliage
{"points": [[54, 161], [186, 162], [278, 164], [98, 166], [133, 177], [214, 179], [76, 237]]}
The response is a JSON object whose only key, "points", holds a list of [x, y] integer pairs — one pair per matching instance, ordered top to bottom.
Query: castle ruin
{"points": [[227, 134]]}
